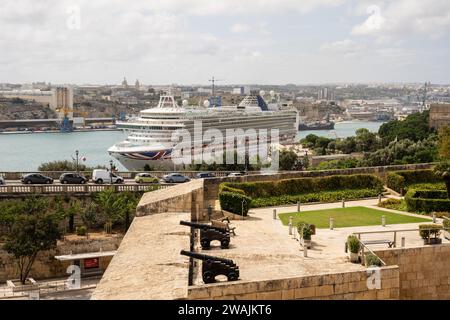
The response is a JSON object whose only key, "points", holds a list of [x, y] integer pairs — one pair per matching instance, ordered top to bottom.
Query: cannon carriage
{"points": [[209, 233], [214, 266]]}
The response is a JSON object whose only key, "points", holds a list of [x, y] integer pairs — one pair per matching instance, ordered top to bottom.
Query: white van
{"points": [[104, 176]]}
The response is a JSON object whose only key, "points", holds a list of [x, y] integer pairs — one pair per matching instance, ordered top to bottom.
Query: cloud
{"points": [[237, 7], [401, 19], [374, 23], [239, 28], [345, 47]]}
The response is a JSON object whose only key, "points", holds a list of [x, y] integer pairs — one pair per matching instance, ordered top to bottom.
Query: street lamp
{"points": [[76, 160], [110, 170]]}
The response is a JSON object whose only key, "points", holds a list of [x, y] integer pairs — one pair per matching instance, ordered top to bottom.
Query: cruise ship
{"points": [[149, 136]]}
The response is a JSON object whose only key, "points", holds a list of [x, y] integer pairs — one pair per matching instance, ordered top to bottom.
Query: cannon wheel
{"points": [[205, 243], [224, 243], [232, 276], [208, 277]]}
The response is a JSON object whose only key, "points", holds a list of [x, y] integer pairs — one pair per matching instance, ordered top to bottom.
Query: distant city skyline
{"points": [[258, 42]]}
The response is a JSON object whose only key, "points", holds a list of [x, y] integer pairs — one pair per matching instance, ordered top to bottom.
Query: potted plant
{"points": [[446, 225], [305, 231], [430, 233], [354, 246], [372, 260]]}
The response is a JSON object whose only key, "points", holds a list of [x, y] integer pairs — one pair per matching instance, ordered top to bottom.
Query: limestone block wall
{"points": [[185, 197], [46, 266], [424, 271], [337, 286]]}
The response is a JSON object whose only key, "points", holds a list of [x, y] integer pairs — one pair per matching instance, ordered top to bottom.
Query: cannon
{"points": [[209, 233], [214, 266]]}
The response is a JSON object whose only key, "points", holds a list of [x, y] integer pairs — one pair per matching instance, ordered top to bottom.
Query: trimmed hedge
{"points": [[400, 180], [395, 181], [224, 187], [295, 187], [324, 196], [427, 201], [232, 202]]}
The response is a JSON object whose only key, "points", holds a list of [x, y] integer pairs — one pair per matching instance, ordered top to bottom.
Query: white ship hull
{"points": [[150, 142], [139, 165]]}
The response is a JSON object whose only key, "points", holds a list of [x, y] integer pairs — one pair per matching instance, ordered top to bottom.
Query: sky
{"points": [[238, 41]]}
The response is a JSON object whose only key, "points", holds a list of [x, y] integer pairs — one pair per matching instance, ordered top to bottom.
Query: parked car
{"points": [[236, 174], [202, 175], [104, 176], [36, 178], [73, 178], [145, 178], [175, 178], [2, 181]]}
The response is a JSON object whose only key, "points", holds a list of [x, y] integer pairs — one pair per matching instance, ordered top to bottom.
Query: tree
{"points": [[415, 128], [365, 140], [309, 141], [444, 143], [347, 145], [403, 152], [288, 160], [61, 165], [66, 165], [443, 170], [131, 201], [34, 205], [112, 206], [9, 210], [71, 212], [88, 215], [30, 235]]}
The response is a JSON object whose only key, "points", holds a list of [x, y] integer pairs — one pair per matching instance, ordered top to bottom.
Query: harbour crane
{"points": [[213, 84], [424, 97], [65, 125]]}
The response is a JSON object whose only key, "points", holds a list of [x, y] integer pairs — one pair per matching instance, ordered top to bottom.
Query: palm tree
{"points": [[112, 205]]}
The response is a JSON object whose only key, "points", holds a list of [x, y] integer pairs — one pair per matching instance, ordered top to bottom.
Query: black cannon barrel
{"points": [[194, 224], [200, 226], [204, 257]]}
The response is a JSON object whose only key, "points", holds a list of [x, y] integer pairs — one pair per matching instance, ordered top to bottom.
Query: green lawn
{"points": [[348, 217]]}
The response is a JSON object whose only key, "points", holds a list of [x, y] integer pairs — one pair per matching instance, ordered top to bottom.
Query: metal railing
{"points": [[365, 247], [363, 254], [57, 286]]}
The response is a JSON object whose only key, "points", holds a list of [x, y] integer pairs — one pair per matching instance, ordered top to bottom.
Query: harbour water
{"points": [[25, 152]]}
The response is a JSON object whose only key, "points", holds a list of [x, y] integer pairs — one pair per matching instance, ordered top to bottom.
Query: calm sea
{"points": [[25, 152]]}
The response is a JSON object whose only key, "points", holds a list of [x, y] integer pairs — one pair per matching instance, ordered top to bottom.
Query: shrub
{"points": [[400, 180], [395, 181], [224, 187], [291, 187], [325, 196], [427, 201], [235, 202], [389, 203], [442, 214], [446, 224], [305, 230], [428, 230], [81, 231], [353, 244], [373, 260]]}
